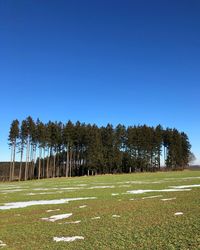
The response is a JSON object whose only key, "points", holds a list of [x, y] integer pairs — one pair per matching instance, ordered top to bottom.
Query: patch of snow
{"points": [[186, 186], [96, 187], [42, 189], [11, 190], [143, 191], [57, 192], [115, 194], [151, 197], [169, 199], [23, 204], [82, 206], [52, 210], [178, 213], [116, 216], [54, 218], [96, 218], [73, 222], [68, 239], [2, 244]]}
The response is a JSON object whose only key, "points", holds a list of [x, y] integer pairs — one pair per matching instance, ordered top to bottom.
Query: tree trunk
{"points": [[11, 160], [27, 160], [34, 161], [43, 163], [67, 163], [70, 163], [54, 165], [13, 166], [20, 166], [39, 166], [47, 170]]}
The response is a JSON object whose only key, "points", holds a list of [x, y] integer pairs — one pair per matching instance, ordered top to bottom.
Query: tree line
{"points": [[55, 149]]}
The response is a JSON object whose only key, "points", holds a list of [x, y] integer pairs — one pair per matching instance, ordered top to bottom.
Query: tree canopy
{"points": [[73, 149]]}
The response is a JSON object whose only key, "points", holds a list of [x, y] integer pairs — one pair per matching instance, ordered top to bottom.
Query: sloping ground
{"points": [[130, 211]]}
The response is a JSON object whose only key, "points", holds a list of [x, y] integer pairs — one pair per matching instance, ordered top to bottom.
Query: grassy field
{"points": [[142, 220]]}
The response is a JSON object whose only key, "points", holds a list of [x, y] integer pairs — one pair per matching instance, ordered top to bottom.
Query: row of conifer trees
{"points": [[55, 149]]}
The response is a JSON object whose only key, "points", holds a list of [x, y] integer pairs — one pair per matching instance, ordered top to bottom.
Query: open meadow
{"points": [[129, 211]]}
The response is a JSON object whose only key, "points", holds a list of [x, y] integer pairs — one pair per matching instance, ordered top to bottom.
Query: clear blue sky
{"points": [[130, 62]]}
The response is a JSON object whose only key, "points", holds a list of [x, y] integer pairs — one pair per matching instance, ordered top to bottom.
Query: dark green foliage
{"points": [[56, 149]]}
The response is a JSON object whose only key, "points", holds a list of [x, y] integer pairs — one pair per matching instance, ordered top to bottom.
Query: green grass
{"points": [[143, 223]]}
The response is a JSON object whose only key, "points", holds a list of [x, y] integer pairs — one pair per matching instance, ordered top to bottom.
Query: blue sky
{"points": [[129, 62]]}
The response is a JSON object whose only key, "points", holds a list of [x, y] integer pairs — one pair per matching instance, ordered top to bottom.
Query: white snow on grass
{"points": [[141, 182], [186, 186], [10, 187], [97, 187], [55, 188], [71, 188], [43, 189], [11, 190], [143, 191], [57, 192], [115, 194], [151, 197], [168, 199], [23, 204], [82, 206], [52, 210], [178, 213], [116, 216], [54, 218], [96, 218], [72, 222], [68, 239], [2, 244]]}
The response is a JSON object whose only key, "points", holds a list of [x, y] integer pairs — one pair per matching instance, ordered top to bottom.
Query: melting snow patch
{"points": [[186, 186], [96, 187], [11, 191], [141, 191], [45, 193], [115, 194], [151, 197], [169, 199], [23, 204], [82, 206], [52, 210], [178, 213], [116, 216], [57, 217], [96, 218], [73, 222], [68, 239], [2, 244]]}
